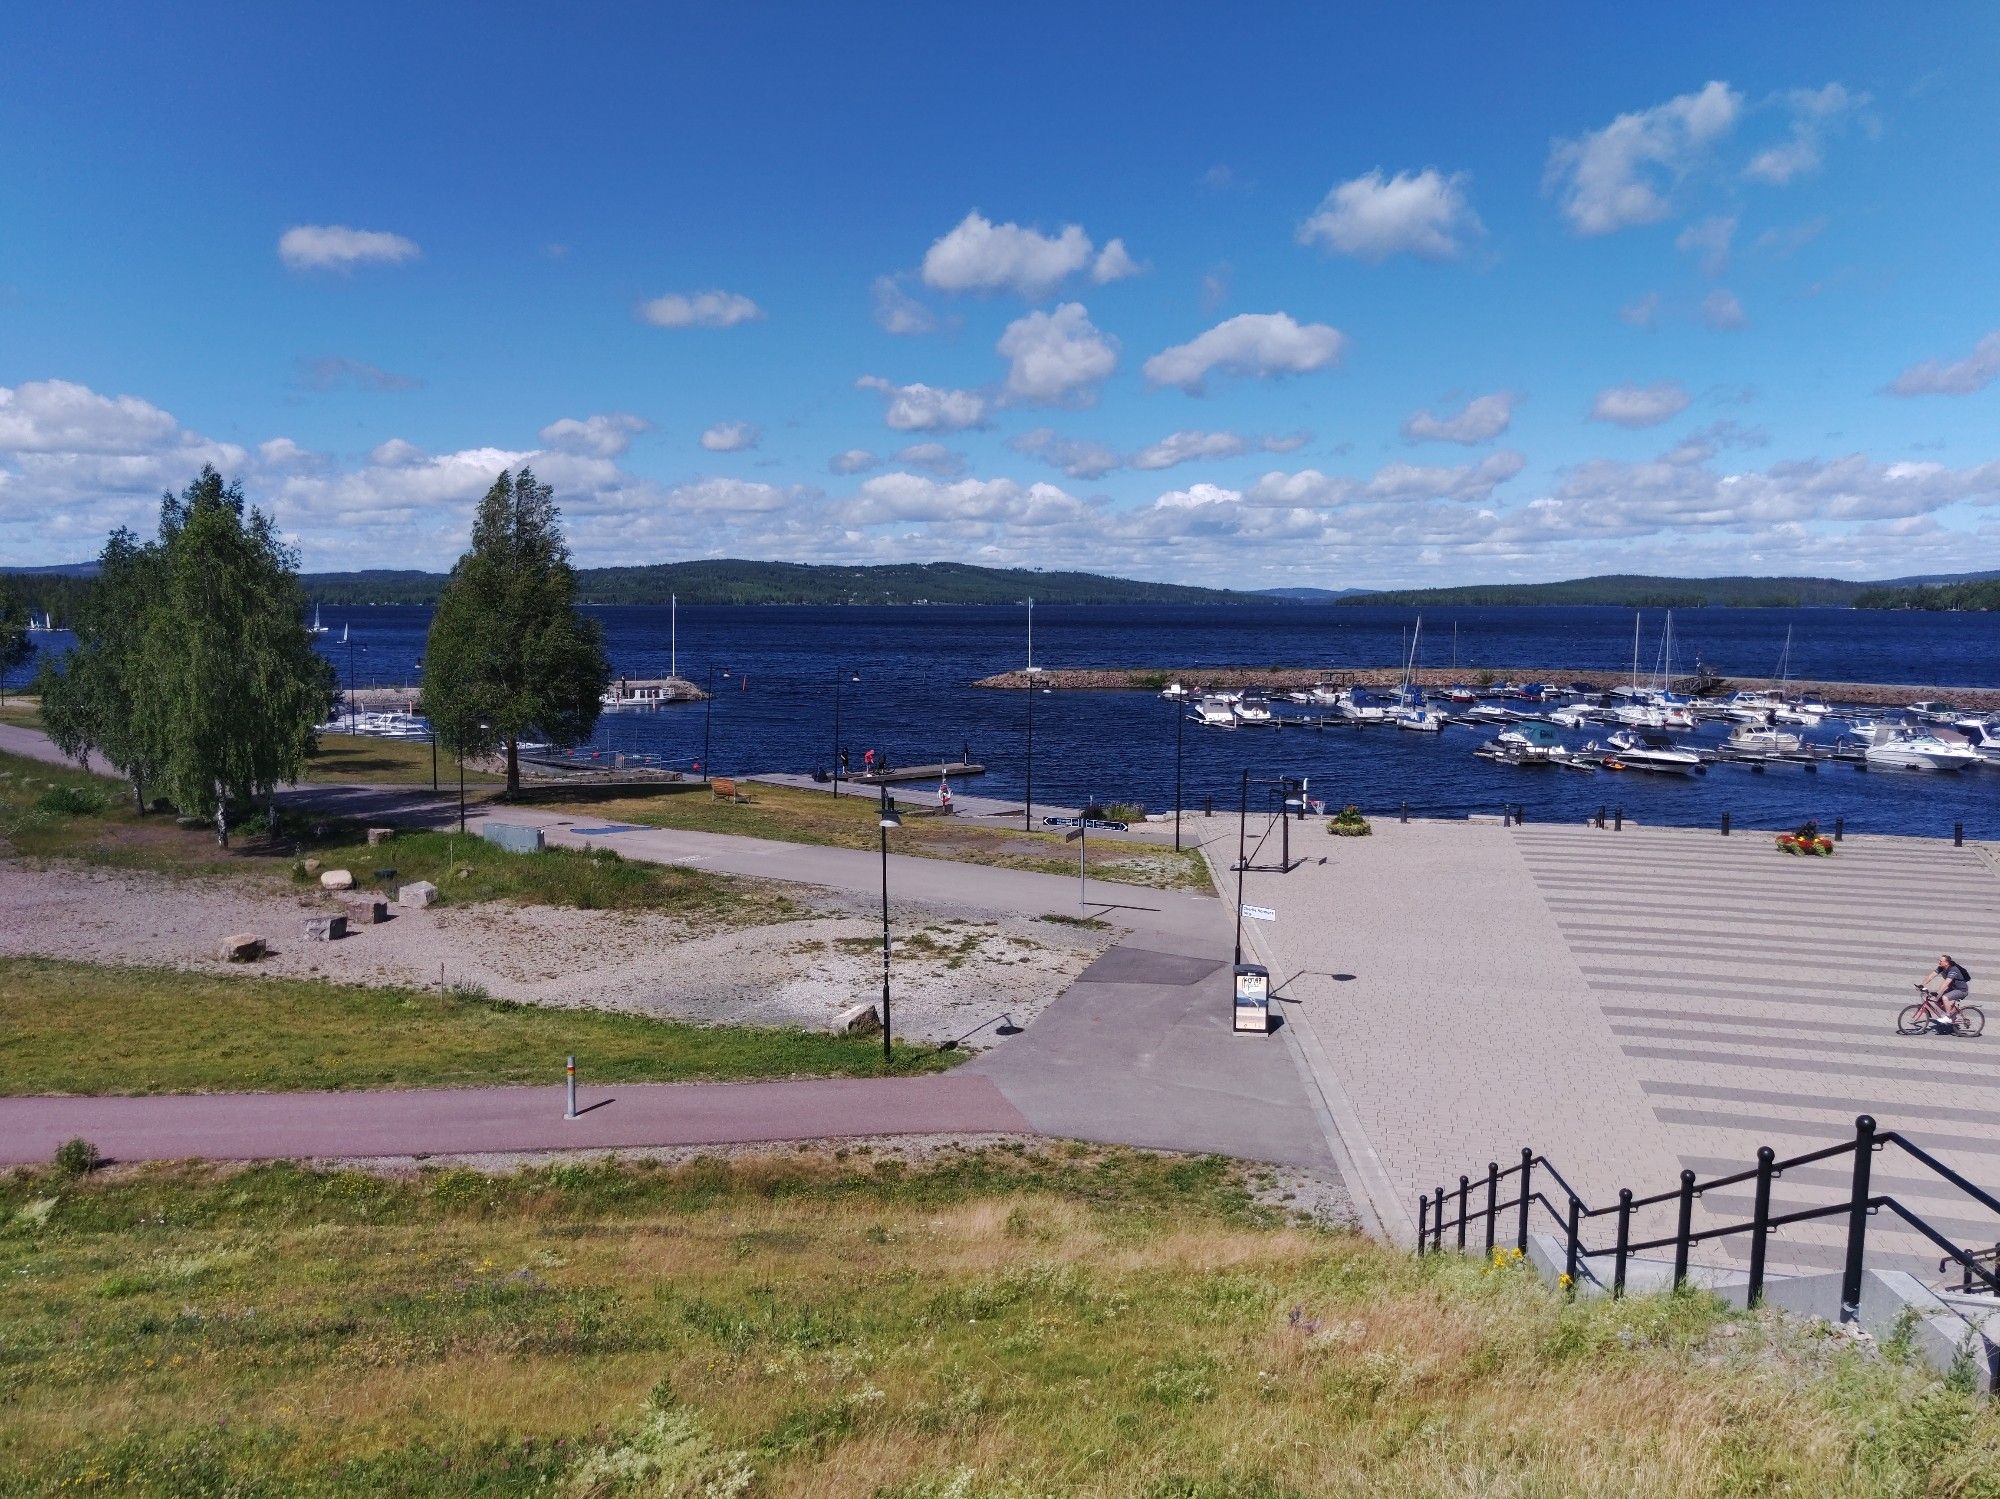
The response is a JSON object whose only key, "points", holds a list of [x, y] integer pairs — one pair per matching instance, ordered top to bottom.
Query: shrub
{"points": [[70, 801], [1116, 812], [1349, 823], [77, 1157]]}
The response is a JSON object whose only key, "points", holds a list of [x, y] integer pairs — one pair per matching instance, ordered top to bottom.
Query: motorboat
{"points": [[1174, 691], [1461, 695], [1348, 704], [1751, 707], [1251, 709], [1215, 712], [1932, 712], [1492, 713], [1806, 715], [1573, 717], [1419, 719], [1763, 739], [1532, 744], [1895, 747], [1641, 749]]}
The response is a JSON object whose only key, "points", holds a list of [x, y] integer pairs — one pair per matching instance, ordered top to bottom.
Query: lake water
{"points": [[774, 710]]}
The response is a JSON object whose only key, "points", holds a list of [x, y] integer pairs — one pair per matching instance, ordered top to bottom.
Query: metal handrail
{"points": [[1859, 1205]]}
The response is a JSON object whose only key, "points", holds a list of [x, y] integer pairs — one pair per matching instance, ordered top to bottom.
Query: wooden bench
{"points": [[725, 790]]}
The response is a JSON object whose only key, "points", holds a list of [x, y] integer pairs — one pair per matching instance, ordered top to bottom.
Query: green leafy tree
{"points": [[15, 647], [509, 656], [233, 686], [96, 700]]}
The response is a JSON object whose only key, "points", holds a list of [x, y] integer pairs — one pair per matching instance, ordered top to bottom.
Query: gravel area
{"points": [[951, 973]]}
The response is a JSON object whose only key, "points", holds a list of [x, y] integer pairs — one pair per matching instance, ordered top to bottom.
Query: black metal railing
{"points": [[1979, 1270]]}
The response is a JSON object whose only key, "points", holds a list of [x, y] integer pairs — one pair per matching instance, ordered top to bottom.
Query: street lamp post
{"points": [[1028, 803], [887, 820], [1242, 857]]}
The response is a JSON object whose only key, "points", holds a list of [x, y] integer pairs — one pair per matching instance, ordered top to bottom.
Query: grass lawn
{"points": [[25, 711], [361, 760], [50, 812], [794, 815], [92, 1028], [996, 1324]]}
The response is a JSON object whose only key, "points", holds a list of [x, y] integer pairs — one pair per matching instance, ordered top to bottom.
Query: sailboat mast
{"points": [[1031, 632], [673, 635]]}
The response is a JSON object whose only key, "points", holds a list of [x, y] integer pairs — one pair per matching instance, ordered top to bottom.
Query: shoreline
{"points": [[1289, 679]]}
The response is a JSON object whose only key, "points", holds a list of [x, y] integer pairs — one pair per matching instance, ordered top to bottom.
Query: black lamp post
{"points": [[838, 678], [886, 821], [1242, 857]]}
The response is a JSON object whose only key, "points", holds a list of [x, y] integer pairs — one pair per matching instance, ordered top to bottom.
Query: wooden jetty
{"points": [[898, 774]]}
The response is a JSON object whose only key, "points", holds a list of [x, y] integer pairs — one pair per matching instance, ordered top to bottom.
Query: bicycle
{"points": [[1919, 1018]]}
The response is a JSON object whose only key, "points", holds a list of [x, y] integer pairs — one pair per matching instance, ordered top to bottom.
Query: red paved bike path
{"points": [[448, 1121]]}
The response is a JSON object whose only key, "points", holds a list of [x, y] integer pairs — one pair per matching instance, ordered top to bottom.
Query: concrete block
{"points": [[377, 836], [513, 837], [337, 879], [417, 895], [366, 910], [325, 928], [244, 947], [860, 1020]]}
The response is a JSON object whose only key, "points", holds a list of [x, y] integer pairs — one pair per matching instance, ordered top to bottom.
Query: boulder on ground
{"points": [[380, 835], [312, 866], [337, 879], [417, 895], [366, 910], [325, 928], [244, 947], [860, 1020]]}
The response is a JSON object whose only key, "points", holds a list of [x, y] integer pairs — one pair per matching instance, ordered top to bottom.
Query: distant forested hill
{"points": [[740, 582], [1637, 591], [1981, 595]]}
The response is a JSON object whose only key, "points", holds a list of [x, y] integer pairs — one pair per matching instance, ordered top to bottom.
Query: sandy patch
{"points": [[950, 973]]}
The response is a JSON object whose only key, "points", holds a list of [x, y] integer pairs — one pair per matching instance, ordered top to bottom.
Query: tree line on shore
{"points": [[194, 674]]}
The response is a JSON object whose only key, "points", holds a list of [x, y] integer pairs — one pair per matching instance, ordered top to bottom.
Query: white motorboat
{"points": [[1174, 691], [1324, 696], [1347, 703], [1751, 707], [1250, 709], [1215, 712], [1932, 712], [1492, 713], [1806, 715], [1573, 717], [1420, 720], [1762, 739], [1895, 747], [1640, 749]]}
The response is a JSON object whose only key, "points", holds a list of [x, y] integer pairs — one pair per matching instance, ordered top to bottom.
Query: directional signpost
{"points": [[1260, 913]]}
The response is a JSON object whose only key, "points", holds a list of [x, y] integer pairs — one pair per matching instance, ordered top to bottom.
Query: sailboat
{"points": [[41, 624], [316, 628], [343, 634], [1410, 710], [1794, 710]]}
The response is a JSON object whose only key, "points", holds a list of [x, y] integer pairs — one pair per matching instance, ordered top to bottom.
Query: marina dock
{"points": [[896, 775]]}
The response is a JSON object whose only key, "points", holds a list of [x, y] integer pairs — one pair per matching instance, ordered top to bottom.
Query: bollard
{"points": [[1208, 809], [1406, 811], [1520, 813], [1603, 814], [1506, 815], [1618, 821], [1725, 824], [1839, 827], [1958, 835], [570, 1070]]}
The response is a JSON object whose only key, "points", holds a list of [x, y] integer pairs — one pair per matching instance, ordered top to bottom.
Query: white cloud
{"points": [[1814, 113], [1621, 175], [1371, 217], [1709, 242], [1784, 242], [335, 247], [979, 255], [1114, 263], [702, 309], [896, 311], [1642, 311], [1722, 311], [1258, 344], [1056, 358], [334, 372], [1932, 377], [1639, 405], [926, 408], [59, 416], [1481, 419], [603, 436], [731, 437], [1189, 445], [396, 453], [1077, 457], [933, 458], [853, 461], [1399, 483], [733, 497], [890, 498]]}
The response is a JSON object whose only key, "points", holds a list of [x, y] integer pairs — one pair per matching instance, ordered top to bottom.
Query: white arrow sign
{"points": [[1260, 913]]}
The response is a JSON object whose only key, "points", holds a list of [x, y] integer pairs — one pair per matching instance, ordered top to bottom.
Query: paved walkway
{"points": [[1636, 1002]]}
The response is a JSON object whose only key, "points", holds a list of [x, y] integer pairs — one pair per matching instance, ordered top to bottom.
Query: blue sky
{"points": [[1262, 296]]}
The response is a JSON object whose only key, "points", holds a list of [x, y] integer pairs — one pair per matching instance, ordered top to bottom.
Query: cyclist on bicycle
{"points": [[1949, 984]]}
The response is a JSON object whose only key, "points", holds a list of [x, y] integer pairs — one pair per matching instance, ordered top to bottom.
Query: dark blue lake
{"points": [[774, 710]]}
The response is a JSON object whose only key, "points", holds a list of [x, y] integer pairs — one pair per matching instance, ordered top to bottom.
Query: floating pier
{"points": [[898, 774]]}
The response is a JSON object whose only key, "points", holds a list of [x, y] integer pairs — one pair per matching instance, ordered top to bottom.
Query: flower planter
{"points": [[1792, 843]]}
